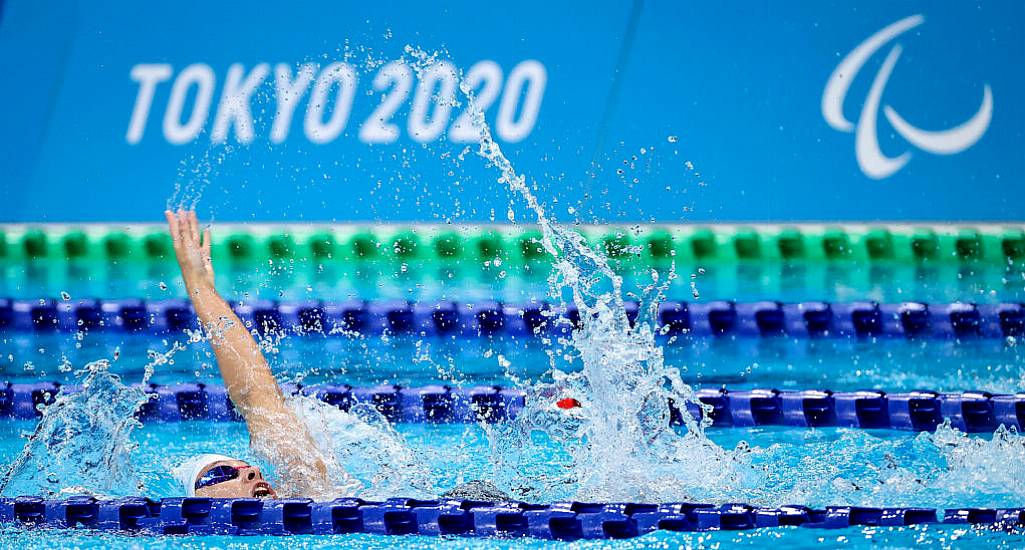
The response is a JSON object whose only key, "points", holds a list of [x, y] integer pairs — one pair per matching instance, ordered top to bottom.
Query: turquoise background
{"points": [[739, 84]]}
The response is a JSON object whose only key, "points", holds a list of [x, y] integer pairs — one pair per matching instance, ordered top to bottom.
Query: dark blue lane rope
{"points": [[957, 320], [970, 411], [402, 516]]}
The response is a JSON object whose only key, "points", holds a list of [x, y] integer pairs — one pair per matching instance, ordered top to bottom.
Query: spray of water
{"points": [[619, 443], [82, 444], [366, 456]]}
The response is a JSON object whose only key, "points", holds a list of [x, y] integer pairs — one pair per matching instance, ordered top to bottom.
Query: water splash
{"points": [[619, 443], [82, 444], [364, 454], [853, 467]]}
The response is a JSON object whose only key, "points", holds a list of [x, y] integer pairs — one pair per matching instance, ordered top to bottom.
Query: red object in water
{"points": [[567, 403]]}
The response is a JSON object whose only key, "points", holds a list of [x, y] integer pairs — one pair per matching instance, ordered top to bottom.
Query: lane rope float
{"points": [[521, 243], [956, 320], [919, 410], [403, 516]]}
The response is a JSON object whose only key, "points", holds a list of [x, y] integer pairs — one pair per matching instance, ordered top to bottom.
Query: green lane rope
{"points": [[1003, 243]]}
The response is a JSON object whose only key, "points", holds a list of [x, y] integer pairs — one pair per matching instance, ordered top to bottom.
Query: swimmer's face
{"points": [[247, 483]]}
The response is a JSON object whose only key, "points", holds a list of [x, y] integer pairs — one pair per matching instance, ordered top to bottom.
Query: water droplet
{"points": [[672, 139], [162, 285], [65, 296]]}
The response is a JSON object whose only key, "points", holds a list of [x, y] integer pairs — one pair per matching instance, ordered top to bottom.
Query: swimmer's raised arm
{"points": [[247, 376]]}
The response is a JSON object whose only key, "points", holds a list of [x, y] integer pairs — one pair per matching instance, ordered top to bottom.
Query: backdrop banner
{"points": [[617, 111]]}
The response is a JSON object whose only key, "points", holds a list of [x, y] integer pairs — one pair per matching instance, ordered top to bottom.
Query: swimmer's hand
{"points": [[192, 249]]}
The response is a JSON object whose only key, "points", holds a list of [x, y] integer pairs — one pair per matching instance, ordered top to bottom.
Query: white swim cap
{"points": [[187, 472]]}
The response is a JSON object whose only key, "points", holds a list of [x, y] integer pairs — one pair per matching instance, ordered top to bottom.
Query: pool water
{"points": [[992, 365], [768, 466], [780, 466], [826, 466], [938, 536]]}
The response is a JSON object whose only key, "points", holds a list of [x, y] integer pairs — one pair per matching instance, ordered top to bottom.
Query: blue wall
{"points": [[739, 86]]}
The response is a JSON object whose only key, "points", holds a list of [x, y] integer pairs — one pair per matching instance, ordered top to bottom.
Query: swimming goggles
{"points": [[217, 474]]}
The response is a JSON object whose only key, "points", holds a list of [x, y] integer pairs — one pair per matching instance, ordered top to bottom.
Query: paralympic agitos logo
{"points": [[873, 162]]}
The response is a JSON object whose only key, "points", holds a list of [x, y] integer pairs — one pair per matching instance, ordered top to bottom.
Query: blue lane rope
{"points": [[489, 318], [970, 411], [402, 516]]}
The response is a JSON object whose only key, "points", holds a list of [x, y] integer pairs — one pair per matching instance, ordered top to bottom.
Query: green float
{"points": [[470, 245]]}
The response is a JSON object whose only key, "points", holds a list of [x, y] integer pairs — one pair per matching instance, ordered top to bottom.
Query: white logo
{"points": [[871, 159]]}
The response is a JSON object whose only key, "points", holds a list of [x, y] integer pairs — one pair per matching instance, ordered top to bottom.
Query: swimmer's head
{"points": [[219, 476]]}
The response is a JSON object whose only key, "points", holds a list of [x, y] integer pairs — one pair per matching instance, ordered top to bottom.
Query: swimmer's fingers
{"points": [[172, 223], [185, 224], [179, 227], [193, 227], [186, 231], [206, 241], [207, 254]]}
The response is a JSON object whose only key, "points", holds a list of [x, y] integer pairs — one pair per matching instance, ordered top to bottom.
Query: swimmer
{"points": [[275, 430]]}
